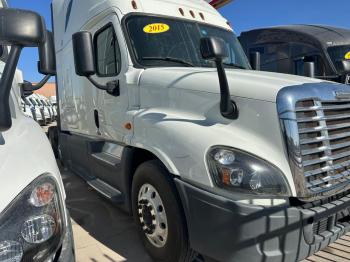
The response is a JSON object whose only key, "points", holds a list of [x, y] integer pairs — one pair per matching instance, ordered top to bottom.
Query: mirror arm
{"points": [[41, 83], [99, 86], [5, 87], [27, 87], [111, 87], [227, 107]]}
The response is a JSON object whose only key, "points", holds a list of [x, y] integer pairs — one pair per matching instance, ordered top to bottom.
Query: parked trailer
{"points": [[310, 50], [160, 113], [34, 222]]}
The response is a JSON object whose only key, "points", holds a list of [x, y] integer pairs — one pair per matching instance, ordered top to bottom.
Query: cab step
{"points": [[106, 158], [106, 190]]}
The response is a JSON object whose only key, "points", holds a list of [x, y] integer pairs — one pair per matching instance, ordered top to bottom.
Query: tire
{"points": [[175, 245]]}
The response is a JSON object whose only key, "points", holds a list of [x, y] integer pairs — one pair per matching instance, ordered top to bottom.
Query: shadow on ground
{"points": [[102, 232]]}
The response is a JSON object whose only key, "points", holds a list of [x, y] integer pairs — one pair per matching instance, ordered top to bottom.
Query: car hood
{"points": [[243, 83]]}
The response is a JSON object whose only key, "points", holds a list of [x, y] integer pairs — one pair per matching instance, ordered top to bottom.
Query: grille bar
{"points": [[315, 108], [319, 118], [323, 128], [324, 138], [323, 148], [326, 158], [324, 169]]}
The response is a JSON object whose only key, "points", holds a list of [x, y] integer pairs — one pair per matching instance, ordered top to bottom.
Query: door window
{"points": [[108, 59]]}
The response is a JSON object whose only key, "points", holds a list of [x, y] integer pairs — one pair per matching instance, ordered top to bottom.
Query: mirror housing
{"points": [[21, 28], [18, 29], [215, 49], [83, 54], [47, 57], [255, 60], [84, 61], [343, 66], [309, 69]]}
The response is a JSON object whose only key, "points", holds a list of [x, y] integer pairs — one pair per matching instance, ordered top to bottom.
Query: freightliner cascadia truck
{"points": [[160, 112], [34, 222]]}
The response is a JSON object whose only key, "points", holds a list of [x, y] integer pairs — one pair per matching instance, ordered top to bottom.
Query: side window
{"points": [[107, 52]]}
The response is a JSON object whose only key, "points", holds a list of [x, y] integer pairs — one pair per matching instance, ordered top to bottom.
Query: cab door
{"points": [[111, 65]]}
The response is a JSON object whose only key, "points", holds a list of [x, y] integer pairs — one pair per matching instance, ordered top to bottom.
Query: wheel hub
{"points": [[152, 215]]}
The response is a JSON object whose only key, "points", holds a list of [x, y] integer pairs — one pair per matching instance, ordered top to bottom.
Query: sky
{"points": [[243, 15]]}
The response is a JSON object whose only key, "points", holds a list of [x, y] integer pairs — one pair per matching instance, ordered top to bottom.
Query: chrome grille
{"points": [[324, 135]]}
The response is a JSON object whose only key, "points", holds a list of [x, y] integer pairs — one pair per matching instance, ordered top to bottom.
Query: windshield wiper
{"points": [[171, 59], [234, 65]]}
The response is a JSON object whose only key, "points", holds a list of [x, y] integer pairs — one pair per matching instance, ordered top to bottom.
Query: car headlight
{"points": [[238, 171], [31, 227]]}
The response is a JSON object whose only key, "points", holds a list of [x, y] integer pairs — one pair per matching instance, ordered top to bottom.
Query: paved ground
{"points": [[103, 233]]}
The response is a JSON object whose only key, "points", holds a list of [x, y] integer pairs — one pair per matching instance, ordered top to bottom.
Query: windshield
{"points": [[159, 41], [338, 53]]}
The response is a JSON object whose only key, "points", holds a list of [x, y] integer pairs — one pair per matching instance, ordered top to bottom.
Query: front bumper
{"points": [[225, 230]]}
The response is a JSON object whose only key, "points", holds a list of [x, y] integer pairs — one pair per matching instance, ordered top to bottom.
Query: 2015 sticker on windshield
{"points": [[156, 28], [347, 56]]}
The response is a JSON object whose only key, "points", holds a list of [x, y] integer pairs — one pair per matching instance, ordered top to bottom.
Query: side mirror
{"points": [[18, 28], [215, 49], [83, 54], [47, 58], [255, 60], [84, 61], [46, 65], [343, 66], [309, 69]]}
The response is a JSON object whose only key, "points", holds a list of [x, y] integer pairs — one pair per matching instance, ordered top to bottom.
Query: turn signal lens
{"points": [[42, 195], [38, 229], [10, 251]]}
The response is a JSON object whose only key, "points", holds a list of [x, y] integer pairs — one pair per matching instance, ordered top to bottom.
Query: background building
{"points": [[48, 90]]}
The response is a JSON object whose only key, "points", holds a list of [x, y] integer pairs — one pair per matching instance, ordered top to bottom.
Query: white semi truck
{"points": [[160, 112], [34, 221]]}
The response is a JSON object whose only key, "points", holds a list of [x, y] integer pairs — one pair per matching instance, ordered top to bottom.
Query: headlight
{"points": [[238, 171], [31, 227]]}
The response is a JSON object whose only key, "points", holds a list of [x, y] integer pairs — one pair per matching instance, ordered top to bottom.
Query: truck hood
{"points": [[243, 83]]}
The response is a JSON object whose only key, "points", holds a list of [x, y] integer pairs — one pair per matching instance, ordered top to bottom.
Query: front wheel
{"points": [[158, 214]]}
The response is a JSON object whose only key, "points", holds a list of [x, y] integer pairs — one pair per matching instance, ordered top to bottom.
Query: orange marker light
{"points": [[128, 126], [226, 176]]}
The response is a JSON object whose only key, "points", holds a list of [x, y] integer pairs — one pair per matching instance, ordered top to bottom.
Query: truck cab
{"points": [[290, 49], [160, 112], [34, 221]]}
